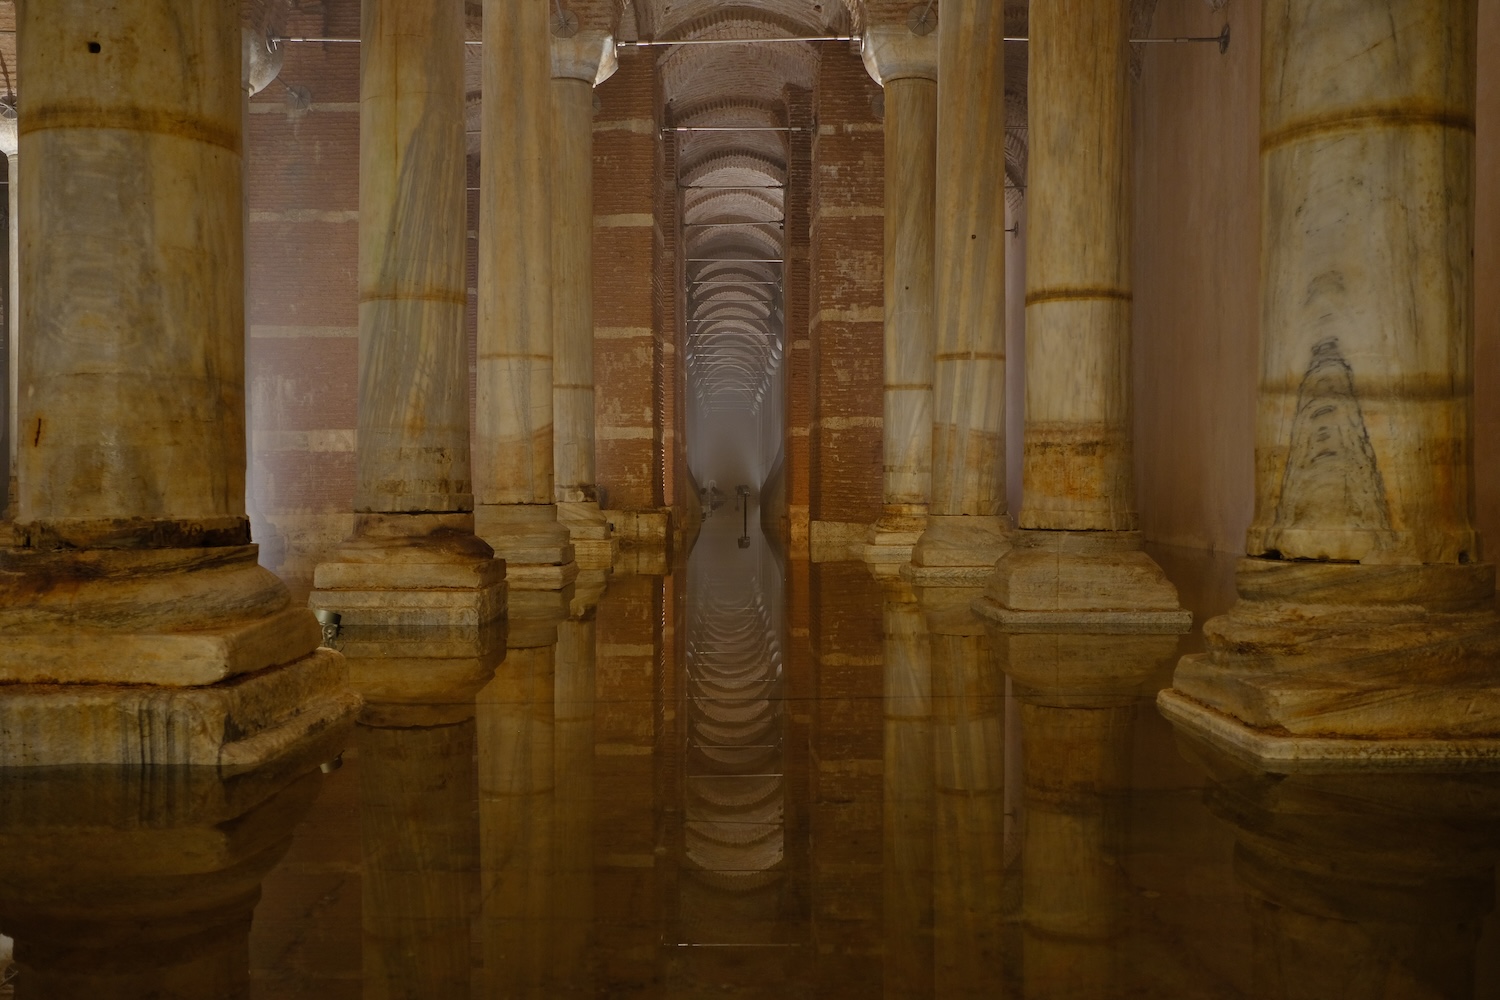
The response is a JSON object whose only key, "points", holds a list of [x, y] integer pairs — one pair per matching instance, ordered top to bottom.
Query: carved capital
{"points": [[892, 52], [587, 56], [9, 136]]}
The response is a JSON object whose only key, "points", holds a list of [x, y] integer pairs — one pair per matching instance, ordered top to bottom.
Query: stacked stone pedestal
{"points": [[412, 569], [1081, 581], [165, 655], [1343, 662]]}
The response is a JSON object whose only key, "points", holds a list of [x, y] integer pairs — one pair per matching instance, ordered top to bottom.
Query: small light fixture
{"points": [[329, 620]]}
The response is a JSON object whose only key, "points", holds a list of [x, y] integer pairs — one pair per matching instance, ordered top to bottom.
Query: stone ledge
{"points": [[1089, 622], [1286, 754]]}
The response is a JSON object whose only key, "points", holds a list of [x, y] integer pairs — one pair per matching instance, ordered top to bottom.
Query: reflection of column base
{"points": [[889, 541], [594, 545], [535, 547], [957, 551], [412, 569], [1081, 581], [535, 615], [1343, 662], [421, 676], [235, 726]]}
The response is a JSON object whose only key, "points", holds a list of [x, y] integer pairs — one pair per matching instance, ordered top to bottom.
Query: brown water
{"points": [[744, 779]]}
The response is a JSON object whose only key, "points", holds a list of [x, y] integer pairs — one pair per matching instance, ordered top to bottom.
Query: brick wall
{"points": [[846, 264], [302, 297], [797, 353], [627, 361]]}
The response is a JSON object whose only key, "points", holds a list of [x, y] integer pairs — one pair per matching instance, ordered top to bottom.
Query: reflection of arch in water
{"points": [[734, 795]]}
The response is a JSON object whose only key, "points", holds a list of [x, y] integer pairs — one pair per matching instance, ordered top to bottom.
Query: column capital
{"points": [[892, 52], [587, 56], [9, 136]]}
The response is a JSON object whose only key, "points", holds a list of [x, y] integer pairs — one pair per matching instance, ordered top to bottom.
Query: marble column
{"points": [[579, 64], [906, 66], [9, 136], [516, 509], [963, 537], [1078, 556], [413, 557], [1364, 608], [138, 626]]}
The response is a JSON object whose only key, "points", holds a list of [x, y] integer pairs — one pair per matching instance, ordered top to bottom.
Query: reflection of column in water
{"points": [[1078, 697], [516, 775], [418, 786], [908, 797], [573, 825], [968, 835], [140, 884], [1360, 884]]}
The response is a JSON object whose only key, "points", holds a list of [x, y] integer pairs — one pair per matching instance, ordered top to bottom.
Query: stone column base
{"points": [[889, 541], [594, 544], [957, 551], [537, 552], [412, 569], [1081, 581], [136, 656], [1340, 662], [236, 726]]}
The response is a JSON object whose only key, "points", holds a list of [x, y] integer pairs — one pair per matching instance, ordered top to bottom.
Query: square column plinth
{"points": [[412, 570], [189, 656]]}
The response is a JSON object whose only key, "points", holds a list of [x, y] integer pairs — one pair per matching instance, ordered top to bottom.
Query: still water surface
{"points": [[746, 778]]}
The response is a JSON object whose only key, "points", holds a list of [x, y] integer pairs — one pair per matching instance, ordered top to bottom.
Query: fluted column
{"points": [[579, 64], [906, 66], [132, 477], [516, 509], [963, 536], [1363, 546], [413, 555], [1078, 556]]}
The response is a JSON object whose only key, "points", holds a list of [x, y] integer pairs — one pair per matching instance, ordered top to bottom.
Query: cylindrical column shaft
{"points": [[578, 64], [910, 176], [515, 250], [132, 269], [12, 330], [968, 432], [413, 444], [1364, 446], [1076, 466], [515, 510]]}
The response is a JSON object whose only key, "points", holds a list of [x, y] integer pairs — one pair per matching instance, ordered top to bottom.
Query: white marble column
{"points": [[579, 64], [906, 66], [516, 510], [963, 537], [1078, 556], [413, 557], [131, 592], [1364, 608]]}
